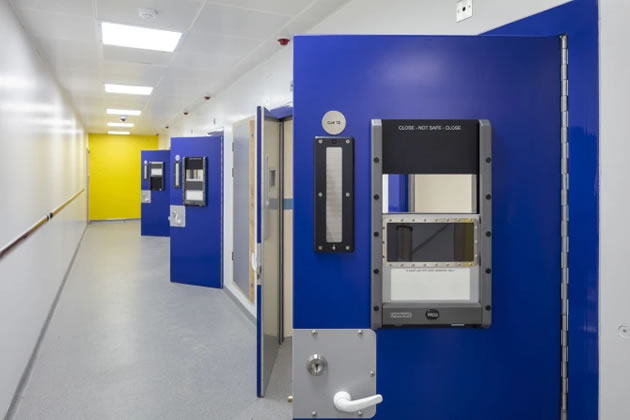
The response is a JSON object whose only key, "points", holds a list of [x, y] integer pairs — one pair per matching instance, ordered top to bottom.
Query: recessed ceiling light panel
{"points": [[139, 37], [128, 89], [131, 112], [120, 124], [118, 133]]}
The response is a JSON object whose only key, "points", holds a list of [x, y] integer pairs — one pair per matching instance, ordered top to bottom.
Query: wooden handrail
{"points": [[14, 243]]}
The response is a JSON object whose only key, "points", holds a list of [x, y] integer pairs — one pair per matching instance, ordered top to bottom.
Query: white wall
{"points": [[42, 164], [614, 245]]}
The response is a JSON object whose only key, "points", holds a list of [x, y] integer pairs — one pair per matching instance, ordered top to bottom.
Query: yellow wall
{"points": [[115, 175]]}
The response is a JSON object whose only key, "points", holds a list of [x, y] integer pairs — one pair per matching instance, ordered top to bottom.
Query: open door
{"points": [[244, 140], [269, 244], [361, 345]]}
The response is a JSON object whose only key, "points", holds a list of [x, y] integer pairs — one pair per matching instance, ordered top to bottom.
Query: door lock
{"points": [[316, 365]]}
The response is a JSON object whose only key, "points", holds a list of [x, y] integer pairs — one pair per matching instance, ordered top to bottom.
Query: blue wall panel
{"points": [[579, 20], [154, 215], [196, 250], [512, 369]]}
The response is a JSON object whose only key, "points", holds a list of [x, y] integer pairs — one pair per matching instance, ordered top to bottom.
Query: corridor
{"points": [[125, 343]]}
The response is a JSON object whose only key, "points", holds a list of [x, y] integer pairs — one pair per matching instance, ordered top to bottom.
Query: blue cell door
{"points": [[155, 185], [196, 215], [511, 370]]}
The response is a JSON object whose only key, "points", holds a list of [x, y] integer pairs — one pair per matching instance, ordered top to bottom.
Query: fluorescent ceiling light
{"points": [[139, 37], [128, 89], [132, 112], [115, 124], [119, 133]]}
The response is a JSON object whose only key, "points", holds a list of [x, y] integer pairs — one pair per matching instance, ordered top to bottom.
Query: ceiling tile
{"points": [[71, 7], [283, 7], [322, 8], [173, 15], [230, 21], [297, 25], [59, 26], [200, 41], [62, 49], [267, 49], [134, 55], [207, 66], [132, 73], [79, 84], [184, 87], [125, 101], [168, 103]]}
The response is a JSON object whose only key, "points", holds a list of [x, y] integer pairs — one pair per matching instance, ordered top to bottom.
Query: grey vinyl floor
{"points": [[125, 343]]}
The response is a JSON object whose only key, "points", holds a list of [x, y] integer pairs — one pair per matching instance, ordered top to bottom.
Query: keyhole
{"points": [[316, 365]]}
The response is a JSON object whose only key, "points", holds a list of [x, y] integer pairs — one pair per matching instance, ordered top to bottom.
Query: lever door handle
{"points": [[344, 403]]}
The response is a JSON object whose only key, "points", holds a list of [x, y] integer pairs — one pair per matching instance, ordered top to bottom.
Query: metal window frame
{"points": [[156, 164], [204, 182], [426, 218], [466, 314]]}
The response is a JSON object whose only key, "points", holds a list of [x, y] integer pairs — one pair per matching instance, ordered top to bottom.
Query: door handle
{"points": [[344, 403]]}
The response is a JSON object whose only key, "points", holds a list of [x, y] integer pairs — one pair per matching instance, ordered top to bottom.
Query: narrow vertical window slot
{"points": [[177, 174], [334, 195]]}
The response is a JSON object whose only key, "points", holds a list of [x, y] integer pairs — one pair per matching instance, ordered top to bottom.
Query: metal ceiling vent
{"points": [[147, 14]]}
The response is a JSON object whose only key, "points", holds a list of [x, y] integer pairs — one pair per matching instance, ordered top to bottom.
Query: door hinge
{"points": [[564, 231]]}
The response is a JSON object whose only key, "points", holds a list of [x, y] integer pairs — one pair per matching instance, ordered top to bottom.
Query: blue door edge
{"points": [[578, 19], [280, 113], [222, 210], [259, 390]]}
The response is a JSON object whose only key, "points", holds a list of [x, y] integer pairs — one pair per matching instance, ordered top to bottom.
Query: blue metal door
{"points": [[154, 214], [197, 247], [512, 369]]}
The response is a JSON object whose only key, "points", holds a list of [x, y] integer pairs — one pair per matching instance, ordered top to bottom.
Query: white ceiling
{"points": [[221, 41]]}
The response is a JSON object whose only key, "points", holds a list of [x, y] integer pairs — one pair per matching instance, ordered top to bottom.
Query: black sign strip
{"points": [[431, 147]]}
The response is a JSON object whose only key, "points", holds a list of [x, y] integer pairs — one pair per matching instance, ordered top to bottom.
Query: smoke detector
{"points": [[147, 14]]}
